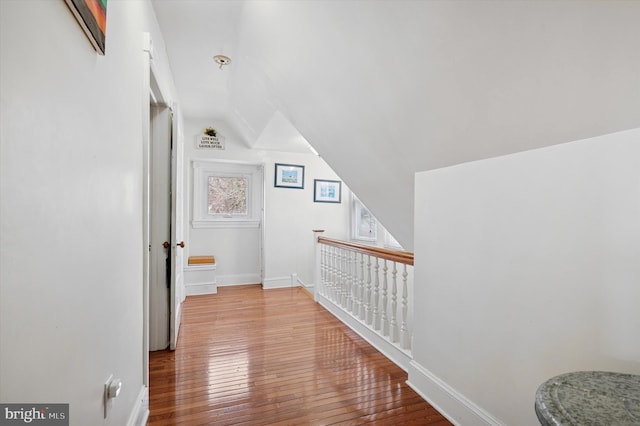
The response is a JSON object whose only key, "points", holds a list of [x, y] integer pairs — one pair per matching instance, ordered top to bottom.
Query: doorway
{"points": [[162, 154], [166, 244], [161, 248]]}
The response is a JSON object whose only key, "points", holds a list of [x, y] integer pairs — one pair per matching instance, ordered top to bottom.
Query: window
{"points": [[226, 194], [364, 224], [391, 242]]}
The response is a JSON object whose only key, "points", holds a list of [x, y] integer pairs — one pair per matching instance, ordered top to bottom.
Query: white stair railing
{"points": [[370, 285]]}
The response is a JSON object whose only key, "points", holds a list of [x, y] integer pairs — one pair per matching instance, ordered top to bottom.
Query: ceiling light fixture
{"points": [[222, 60]]}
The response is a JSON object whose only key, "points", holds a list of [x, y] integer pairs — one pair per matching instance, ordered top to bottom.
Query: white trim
{"points": [[149, 81], [202, 170], [357, 209], [222, 223], [390, 242], [200, 267], [200, 279], [239, 279], [279, 282], [308, 287], [198, 289], [177, 315], [400, 357], [449, 402], [140, 412]]}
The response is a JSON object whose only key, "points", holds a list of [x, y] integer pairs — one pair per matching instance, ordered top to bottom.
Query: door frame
{"points": [[151, 94], [162, 252], [176, 291]]}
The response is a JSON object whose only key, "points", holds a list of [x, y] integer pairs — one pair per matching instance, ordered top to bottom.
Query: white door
{"points": [[167, 244], [161, 249], [177, 292]]}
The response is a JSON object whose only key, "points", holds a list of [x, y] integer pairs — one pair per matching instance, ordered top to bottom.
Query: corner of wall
{"points": [[280, 282], [448, 401], [140, 412]]}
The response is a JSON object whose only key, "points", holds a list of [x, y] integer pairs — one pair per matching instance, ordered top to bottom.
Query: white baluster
{"points": [[317, 264], [323, 270], [327, 273], [336, 277], [329, 278], [349, 280], [343, 281], [361, 289], [368, 292], [376, 296], [394, 304], [355, 305], [384, 317], [405, 340]]}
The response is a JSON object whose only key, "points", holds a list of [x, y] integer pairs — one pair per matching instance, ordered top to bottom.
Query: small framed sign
{"points": [[210, 139], [289, 176], [327, 191]]}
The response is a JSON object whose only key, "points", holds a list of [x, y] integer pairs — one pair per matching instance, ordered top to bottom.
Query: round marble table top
{"points": [[589, 398]]}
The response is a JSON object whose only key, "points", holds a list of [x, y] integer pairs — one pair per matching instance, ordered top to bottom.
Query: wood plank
{"points": [[399, 256], [201, 260], [275, 357]]}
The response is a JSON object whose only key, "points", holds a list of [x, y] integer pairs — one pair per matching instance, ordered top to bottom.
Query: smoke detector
{"points": [[222, 60]]}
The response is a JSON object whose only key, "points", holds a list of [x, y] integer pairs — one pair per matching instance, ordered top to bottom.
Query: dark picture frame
{"points": [[92, 17], [289, 176], [327, 191]]}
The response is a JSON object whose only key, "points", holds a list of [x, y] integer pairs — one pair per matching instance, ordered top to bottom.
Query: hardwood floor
{"points": [[275, 357]]}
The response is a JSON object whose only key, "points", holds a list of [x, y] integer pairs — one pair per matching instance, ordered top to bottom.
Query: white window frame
{"points": [[202, 170], [356, 220], [390, 242]]}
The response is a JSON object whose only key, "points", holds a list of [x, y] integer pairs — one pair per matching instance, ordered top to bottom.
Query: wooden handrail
{"points": [[393, 255]]}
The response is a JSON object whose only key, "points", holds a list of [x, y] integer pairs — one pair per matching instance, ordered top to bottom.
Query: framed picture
{"points": [[92, 17], [289, 176], [327, 191]]}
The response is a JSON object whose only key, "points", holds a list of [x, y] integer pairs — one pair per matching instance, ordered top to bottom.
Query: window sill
{"points": [[225, 223]]}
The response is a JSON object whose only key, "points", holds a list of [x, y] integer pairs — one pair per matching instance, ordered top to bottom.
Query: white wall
{"points": [[401, 87], [71, 207], [290, 214], [527, 266]]}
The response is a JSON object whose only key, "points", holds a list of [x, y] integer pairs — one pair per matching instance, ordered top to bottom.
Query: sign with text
{"points": [[210, 142], [34, 414]]}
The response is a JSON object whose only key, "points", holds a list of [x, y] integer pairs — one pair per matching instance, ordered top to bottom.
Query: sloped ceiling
{"points": [[384, 89]]}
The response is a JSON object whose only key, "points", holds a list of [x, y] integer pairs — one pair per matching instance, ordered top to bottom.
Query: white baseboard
{"points": [[200, 279], [240, 279], [279, 282], [285, 282], [303, 284], [310, 288], [197, 289], [400, 357], [450, 403], [140, 412]]}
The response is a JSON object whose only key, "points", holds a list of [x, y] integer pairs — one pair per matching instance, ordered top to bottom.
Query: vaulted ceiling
{"points": [[383, 89]]}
